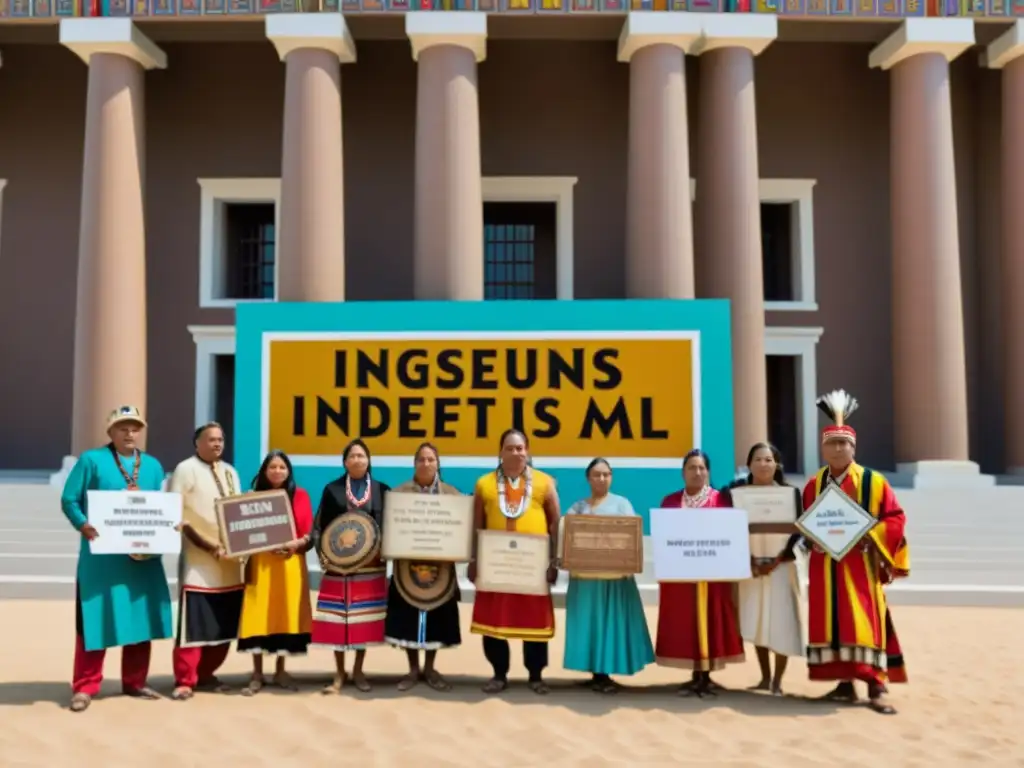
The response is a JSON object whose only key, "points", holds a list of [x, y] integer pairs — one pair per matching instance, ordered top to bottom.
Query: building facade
{"points": [[849, 185]]}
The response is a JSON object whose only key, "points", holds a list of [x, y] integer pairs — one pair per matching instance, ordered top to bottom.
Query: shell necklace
{"points": [[503, 482], [352, 500], [698, 500]]}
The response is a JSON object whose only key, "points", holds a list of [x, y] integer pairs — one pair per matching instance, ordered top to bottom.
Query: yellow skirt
{"points": [[276, 613]]}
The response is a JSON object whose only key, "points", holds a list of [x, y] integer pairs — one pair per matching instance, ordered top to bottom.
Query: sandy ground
{"points": [[963, 706]]}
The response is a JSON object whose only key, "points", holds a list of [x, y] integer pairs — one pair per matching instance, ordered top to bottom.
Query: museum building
{"points": [[850, 185]]}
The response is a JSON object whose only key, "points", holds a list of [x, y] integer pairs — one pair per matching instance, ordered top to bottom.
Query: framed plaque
{"points": [[771, 509], [255, 522], [835, 522], [424, 526], [350, 542], [603, 544], [513, 563]]}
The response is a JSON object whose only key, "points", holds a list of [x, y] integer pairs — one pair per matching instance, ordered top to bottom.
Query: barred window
{"points": [[250, 248]]}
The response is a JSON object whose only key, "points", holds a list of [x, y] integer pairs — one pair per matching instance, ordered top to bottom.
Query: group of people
{"points": [[842, 623]]}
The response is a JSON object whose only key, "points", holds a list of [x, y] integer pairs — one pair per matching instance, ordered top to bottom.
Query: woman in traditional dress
{"points": [[516, 498], [773, 603], [350, 608], [276, 616], [407, 626], [698, 626], [605, 627]]}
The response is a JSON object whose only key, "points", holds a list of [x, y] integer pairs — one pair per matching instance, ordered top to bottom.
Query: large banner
{"points": [[639, 383]]}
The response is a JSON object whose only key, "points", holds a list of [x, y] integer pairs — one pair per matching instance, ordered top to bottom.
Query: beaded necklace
{"points": [[131, 480], [503, 482], [699, 499], [352, 500]]}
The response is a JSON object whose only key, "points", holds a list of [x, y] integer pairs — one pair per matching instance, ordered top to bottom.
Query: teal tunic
{"points": [[121, 601]]}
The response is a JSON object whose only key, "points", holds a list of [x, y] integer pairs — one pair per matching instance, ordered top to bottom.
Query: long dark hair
{"points": [[505, 436], [426, 446], [366, 449], [697, 453], [593, 463], [779, 476], [262, 483]]}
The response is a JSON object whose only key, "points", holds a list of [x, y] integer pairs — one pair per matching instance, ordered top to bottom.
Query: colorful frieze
{"points": [[702, 6], [976, 8]]}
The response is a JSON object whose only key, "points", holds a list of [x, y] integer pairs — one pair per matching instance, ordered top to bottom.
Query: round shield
{"points": [[351, 541], [425, 585]]}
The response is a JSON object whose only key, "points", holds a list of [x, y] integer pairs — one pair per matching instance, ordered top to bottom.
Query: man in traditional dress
{"points": [[516, 498], [212, 586], [119, 600], [851, 635]]}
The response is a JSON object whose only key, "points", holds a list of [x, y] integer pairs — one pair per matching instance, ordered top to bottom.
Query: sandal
{"points": [[436, 681], [285, 682], [409, 682], [361, 683], [213, 685], [495, 685], [764, 685], [255, 686], [335, 686], [539, 687], [145, 692], [844, 692], [182, 693], [80, 702], [877, 702]]}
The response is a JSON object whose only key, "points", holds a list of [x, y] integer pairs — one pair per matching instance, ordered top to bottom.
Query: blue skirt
{"points": [[605, 627]]}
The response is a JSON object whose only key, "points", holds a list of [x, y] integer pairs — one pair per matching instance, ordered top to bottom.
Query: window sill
{"points": [[230, 303], [791, 306]]}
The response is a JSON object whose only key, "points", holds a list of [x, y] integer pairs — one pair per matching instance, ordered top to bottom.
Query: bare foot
{"points": [[284, 681], [436, 681], [361, 683], [335, 685], [494, 685], [764, 685], [255, 686], [145, 692], [182, 693], [80, 702]]}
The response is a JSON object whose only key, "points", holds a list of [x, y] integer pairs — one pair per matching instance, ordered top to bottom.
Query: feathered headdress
{"points": [[838, 405]]}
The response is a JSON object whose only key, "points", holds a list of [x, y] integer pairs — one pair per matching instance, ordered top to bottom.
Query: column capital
{"points": [[644, 28], [466, 29], [325, 31], [753, 31], [87, 36], [948, 37], [1005, 48]]}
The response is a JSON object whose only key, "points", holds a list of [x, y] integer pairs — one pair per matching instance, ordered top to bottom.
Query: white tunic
{"points": [[194, 480], [773, 609]]}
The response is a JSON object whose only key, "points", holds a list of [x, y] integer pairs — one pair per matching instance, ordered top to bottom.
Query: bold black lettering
{"points": [[446, 361], [603, 363], [482, 365], [512, 366], [366, 367], [340, 368], [559, 368], [410, 374], [482, 405], [367, 407], [544, 409], [325, 413], [517, 414], [408, 415], [298, 416], [442, 416], [595, 418], [647, 428]]}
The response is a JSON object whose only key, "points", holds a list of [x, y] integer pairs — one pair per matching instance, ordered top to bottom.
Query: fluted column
{"points": [[1007, 53], [728, 207], [449, 209], [659, 221], [311, 255], [110, 317], [929, 364]]}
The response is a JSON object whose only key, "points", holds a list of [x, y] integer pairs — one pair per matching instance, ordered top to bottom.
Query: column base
{"points": [[944, 474], [58, 478]]}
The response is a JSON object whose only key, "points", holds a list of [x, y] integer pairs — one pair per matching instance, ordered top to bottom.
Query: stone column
{"points": [[1007, 54], [728, 206], [449, 209], [659, 221], [312, 237], [110, 319], [929, 368]]}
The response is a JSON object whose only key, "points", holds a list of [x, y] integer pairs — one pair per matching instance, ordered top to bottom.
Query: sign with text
{"points": [[576, 394], [135, 522], [255, 522], [835, 522], [426, 526], [602, 544], [708, 544], [512, 563]]}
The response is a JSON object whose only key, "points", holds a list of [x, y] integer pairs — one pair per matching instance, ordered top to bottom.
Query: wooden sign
{"points": [[255, 522], [426, 526], [603, 544], [512, 563]]}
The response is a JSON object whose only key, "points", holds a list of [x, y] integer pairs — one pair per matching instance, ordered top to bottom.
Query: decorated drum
{"points": [[350, 542], [425, 585]]}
